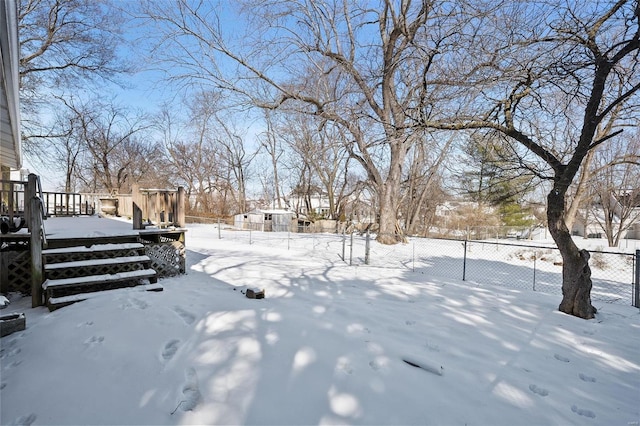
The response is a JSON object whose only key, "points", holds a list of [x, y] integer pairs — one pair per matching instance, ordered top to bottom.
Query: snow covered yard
{"points": [[326, 346]]}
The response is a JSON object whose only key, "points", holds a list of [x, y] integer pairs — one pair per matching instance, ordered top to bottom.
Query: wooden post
{"points": [[29, 192], [137, 207], [180, 209], [35, 226]]}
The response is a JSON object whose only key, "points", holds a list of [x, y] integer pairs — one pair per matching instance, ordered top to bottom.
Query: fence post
{"points": [[29, 192], [136, 201], [180, 212], [219, 234], [344, 242], [366, 249], [351, 250], [413, 256], [464, 262], [534, 270], [637, 294]]}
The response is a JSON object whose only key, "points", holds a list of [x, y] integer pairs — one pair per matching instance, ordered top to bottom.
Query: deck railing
{"points": [[13, 194], [12, 198], [160, 207]]}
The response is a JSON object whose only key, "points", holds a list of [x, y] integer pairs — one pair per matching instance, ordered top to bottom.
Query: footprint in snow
{"points": [[140, 304], [187, 317], [410, 322], [94, 340], [432, 347], [170, 349], [9, 350], [561, 358], [344, 366], [586, 378], [190, 391], [538, 391], [583, 412], [25, 420]]}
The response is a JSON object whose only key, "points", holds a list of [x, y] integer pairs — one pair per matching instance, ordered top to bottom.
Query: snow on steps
{"points": [[94, 248], [97, 262], [82, 272], [104, 278], [59, 302]]}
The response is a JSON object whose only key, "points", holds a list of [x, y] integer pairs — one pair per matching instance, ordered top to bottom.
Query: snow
{"points": [[328, 345]]}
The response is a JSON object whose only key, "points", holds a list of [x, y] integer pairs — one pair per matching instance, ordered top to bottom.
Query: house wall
{"points": [[10, 144]]}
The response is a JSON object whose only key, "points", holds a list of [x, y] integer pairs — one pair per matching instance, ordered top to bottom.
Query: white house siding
{"points": [[10, 149]]}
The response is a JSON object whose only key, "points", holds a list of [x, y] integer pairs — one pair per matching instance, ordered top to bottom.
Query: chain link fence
{"points": [[519, 264], [515, 265]]}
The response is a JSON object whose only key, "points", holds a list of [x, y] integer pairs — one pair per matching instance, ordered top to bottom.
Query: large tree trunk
{"points": [[389, 196], [388, 216], [576, 273]]}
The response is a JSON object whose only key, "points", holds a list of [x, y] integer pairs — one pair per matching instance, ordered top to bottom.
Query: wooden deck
{"points": [[90, 254]]}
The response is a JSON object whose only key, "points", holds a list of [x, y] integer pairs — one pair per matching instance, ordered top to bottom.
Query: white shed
{"points": [[264, 220]]}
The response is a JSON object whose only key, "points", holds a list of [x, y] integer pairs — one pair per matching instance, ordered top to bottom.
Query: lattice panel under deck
{"points": [[167, 258], [18, 265]]}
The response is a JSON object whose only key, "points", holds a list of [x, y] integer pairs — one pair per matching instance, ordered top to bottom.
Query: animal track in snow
{"points": [[140, 304], [187, 317], [410, 322], [94, 340], [432, 347], [170, 349], [9, 350], [561, 358], [344, 366], [586, 378], [190, 391], [538, 391], [582, 412], [25, 420]]}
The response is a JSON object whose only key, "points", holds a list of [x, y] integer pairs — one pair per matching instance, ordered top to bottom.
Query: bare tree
{"points": [[64, 45], [359, 66], [541, 74], [107, 133], [270, 142], [321, 147], [208, 153], [236, 158], [422, 184], [615, 188]]}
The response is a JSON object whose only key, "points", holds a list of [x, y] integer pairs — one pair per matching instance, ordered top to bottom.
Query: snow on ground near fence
{"points": [[520, 264], [330, 343]]}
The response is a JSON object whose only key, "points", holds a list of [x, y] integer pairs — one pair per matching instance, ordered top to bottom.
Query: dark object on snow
{"points": [[6, 225], [254, 294], [12, 323], [425, 365]]}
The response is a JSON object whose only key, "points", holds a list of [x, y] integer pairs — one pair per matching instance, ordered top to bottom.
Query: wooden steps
{"points": [[78, 273], [59, 302]]}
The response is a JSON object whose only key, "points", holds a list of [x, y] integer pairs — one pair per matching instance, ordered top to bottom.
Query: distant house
{"points": [[10, 143], [315, 204], [264, 220], [589, 221]]}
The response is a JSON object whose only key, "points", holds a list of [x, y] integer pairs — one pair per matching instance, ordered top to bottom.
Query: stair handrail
{"points": [[41, 218]]}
